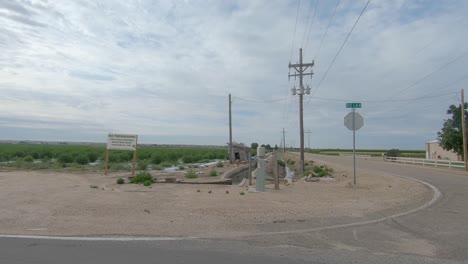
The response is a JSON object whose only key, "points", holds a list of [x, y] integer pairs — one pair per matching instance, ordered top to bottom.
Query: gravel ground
{"points": [[63, 203]]}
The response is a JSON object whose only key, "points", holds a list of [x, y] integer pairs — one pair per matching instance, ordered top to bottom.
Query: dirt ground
{"points": [[64, 203]]}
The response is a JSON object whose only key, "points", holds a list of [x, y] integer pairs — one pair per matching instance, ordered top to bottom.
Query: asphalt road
{"points": [[437, 234]]}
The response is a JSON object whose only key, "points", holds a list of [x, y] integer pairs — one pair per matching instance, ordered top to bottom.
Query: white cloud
{"points": [[163, 69]]}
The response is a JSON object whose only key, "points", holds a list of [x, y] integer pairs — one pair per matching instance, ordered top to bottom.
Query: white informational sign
{"points": [[122, 141]]}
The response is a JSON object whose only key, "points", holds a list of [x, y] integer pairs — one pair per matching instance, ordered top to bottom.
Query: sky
{"points": [[77, 70]]}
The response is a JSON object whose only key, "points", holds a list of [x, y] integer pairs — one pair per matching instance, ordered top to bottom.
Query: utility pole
{"points": [[300, 72], [462, 106], [230, 131], [308, 132], [284, 142]]}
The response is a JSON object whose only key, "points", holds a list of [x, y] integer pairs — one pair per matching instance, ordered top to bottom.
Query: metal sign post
{"points": [[354, 121]]}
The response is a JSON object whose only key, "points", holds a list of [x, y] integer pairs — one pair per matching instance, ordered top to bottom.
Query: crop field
{"points": [[371, 152], [43, 156]]}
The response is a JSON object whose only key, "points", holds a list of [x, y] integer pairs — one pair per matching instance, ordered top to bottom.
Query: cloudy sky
{"points": [[77, 70]]}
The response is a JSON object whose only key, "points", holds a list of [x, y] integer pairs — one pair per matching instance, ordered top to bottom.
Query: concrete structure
{"points": [[435, 151], [240, 152]]}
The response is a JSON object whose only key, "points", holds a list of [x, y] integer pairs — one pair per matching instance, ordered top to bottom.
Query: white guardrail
{"points": [[359, 156], [427, 162]]}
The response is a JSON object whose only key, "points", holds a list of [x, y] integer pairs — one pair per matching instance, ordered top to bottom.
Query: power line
{"points": [[311, 24], [295, 27], [326, 30], [344, 42], [430, 74], [261, 101], [385, 101]]}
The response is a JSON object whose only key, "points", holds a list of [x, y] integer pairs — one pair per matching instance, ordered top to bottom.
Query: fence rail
{"points": [[359, 156], [427, 162]]}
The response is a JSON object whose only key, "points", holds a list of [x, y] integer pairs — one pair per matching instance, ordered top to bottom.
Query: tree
{"points": [[451, 135], [254, 146], [268, 147], [276, 147]]}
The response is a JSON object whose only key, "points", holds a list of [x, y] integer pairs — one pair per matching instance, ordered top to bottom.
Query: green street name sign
{"points": [[353, 105]]}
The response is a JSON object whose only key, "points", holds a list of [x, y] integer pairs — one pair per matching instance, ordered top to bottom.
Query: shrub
{"points": [[393, 153], [92, 157], [28, 158], [65, 158], [156, 158], [82, 160], [291, 162], [281, 163], [166, 164], [220, 164], [142, 165], [181, 167], [213, 173], [191, 175], [142, 177], [120, 181], [147, 183], [242, 193]]}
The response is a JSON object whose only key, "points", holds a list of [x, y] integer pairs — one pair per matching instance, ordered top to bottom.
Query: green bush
{"points": [[393, 153], [92, 157], [28, 158], [65, 158], [82, 160], [291, 162], [281, 163], [166, 164], [220, 164], [142, 165], [181, 167], [213, 173], [191, 175], [142, 177], [120, 181], [147, 183]]}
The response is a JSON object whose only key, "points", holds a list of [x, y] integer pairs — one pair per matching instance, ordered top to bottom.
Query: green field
{"points": [[371, 152], [43, 156]]}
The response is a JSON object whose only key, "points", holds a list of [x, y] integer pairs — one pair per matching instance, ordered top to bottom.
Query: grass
{"points": [[371, 152], [220, 164], [213, 173], [191, 175], [120, 181]]}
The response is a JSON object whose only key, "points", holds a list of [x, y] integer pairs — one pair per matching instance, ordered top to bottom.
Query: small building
{"points": [[435, 151], [239, 152]]}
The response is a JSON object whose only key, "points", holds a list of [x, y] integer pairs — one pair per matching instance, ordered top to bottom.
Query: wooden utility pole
{"points": [[300, 72], [462, 106], [230, 131], [308, 132]]}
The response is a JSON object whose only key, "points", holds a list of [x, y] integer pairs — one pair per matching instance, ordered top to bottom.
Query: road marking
{"points": [[79, 238]]}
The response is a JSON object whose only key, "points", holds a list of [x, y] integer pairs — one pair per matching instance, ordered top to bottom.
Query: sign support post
{"points": [[354, 121], [122, 142], [354, 144]]}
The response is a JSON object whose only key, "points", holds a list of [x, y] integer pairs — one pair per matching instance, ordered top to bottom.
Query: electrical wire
{"points": [[295, 27], [310, 28], [326, 30], [344, 42], [431, 73], [261, 101], [386, 101]]}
